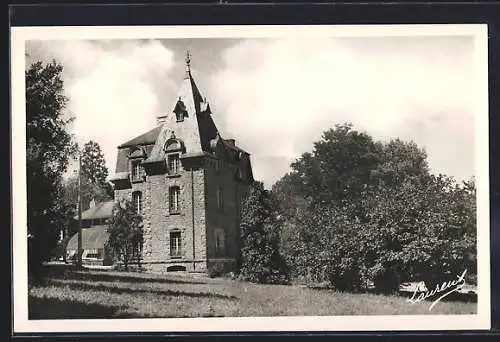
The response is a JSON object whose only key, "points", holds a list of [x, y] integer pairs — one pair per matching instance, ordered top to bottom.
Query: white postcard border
{"points": [[21, 324]]}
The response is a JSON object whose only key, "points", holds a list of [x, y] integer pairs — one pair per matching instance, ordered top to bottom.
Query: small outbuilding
{"points": [[94, 235]]}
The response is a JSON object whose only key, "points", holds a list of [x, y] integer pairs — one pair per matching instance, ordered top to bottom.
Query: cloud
{"points": [[116, 88], [277, 96]]}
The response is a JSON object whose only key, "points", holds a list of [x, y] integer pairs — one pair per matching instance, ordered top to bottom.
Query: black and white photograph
{"points": [[250, 178]]}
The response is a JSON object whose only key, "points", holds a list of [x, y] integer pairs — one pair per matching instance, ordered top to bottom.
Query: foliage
{"points": [[49, 147], [93, 163], [339, 170], [93, 178], [289, 194], [374, 213], [260, 231], [125, 233]]}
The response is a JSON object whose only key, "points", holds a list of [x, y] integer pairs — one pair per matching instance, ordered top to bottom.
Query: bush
{"points": [[372, 211], [125, 234], [260, 234]]}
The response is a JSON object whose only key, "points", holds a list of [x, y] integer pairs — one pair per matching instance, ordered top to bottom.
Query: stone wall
{"points": [[198, 184], [226, 218], [159, 222]]}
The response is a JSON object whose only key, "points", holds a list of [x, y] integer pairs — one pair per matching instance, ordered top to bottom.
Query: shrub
{"points": [[260, 232], [125, 234]]}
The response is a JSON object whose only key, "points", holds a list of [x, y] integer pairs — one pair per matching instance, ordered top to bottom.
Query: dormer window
{"points": [[180, 110], [174, 145], [136, 156], [137, 170]]}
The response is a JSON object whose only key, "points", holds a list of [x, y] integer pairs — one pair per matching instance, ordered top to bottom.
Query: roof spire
{"points": [[188, 63]]}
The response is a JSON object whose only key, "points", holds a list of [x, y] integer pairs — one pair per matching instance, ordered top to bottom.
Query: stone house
{"points": [[188, 183]]}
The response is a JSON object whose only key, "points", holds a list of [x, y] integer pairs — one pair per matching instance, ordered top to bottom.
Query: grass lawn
{"points": [[69, 294]]}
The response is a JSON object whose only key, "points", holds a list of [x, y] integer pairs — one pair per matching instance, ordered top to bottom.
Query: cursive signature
{"points": [[448, 286]]}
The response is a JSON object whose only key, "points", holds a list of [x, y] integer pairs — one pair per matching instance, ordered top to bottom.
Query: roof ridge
{"points": [[137, 140]]}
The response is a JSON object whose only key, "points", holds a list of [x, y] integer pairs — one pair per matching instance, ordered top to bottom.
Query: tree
{"points": [[49, 147], [93, 163], [340, 168], [94, 172], [93, 187], [290, 195], [291, 203], [374, 212], [424, 230], [125, 233], [260, 233], [328, 246]]}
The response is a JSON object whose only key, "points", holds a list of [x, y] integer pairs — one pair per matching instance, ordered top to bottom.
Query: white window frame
{"points": [[175, 158], [137, 170], [174, 193], [176, 247]]}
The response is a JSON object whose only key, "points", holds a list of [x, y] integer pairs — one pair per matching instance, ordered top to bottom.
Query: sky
{"points": [[276, 96]]}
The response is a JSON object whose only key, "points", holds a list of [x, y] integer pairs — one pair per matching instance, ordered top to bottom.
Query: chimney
{"points": [[92, 203]]}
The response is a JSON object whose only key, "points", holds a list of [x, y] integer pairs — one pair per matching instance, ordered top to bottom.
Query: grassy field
{"points": [[69, 294]]}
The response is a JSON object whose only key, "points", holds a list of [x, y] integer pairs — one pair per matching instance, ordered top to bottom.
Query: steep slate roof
{"points": [[197, 127], [196, 130], [143, 139], [99, 210], [92, 238]]}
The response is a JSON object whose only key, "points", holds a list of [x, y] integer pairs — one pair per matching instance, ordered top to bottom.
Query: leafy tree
{"points": [[49, 147], [401, 161], [93, 163], [340, 168], [94, 172], [290, 195], [372, 211], [424, 230], [260, 232], [125, 233], [329, 247]]}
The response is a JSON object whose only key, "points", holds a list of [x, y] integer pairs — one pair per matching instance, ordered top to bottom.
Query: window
{"points": [[180, 110], [174, 164], [137, 170], [174, 193], [220, 198], [137, 200], [220, 242], [175, 245], [92, 254]]}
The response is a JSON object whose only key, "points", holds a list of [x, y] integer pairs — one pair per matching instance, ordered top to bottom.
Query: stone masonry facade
{"points": [[188, 183]]}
